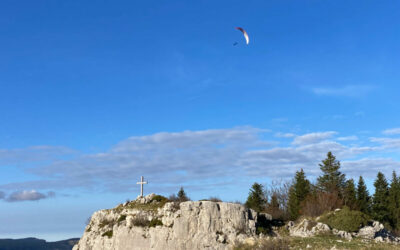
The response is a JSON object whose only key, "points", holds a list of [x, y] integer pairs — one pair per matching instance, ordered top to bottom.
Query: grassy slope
{"points": [[327, 242]]}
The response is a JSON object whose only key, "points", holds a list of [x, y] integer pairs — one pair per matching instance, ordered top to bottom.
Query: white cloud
{"points": [[346, 91], [393, 131], [284, 135], [313, 137], [348, 138], [387, 143], [166, 157], [201, 157], [369, 167], [28, 195]]}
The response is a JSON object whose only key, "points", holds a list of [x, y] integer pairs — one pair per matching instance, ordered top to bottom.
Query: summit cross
{"points": [[141, 182]]}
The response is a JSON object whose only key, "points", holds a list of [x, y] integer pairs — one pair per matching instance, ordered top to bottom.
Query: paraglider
{"points": [[246, 36]]}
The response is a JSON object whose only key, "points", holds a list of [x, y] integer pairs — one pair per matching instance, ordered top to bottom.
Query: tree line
{"points": [[300, 197]]}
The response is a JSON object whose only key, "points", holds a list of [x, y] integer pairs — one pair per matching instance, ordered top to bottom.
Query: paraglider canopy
{"points": [[246, 36]]}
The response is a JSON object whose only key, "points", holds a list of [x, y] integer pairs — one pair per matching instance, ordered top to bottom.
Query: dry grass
{"points": [[153, 206], [140, 221], [106, 222], [109, 234], [327, 242], [314, 243], [265, 244]]}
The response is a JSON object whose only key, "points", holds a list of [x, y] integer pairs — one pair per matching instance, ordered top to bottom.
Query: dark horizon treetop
{"points": [[182, 195]]}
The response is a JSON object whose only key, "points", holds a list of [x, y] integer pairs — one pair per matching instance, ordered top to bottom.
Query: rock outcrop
{"points": [[151, 222], [307, 228], [370, 232], [378, 233], [342, 234]]}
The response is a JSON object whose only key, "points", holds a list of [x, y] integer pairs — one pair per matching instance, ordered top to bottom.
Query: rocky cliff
{"points": [[152, 222]]}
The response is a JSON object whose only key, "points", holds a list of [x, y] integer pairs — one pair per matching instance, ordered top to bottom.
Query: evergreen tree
{"points": [[332, 180], [297, 194], [182, 195], [349, 195], [363, 198], [256, 199], [380, 200], [394, 202], [274, 203], [273, 208]]}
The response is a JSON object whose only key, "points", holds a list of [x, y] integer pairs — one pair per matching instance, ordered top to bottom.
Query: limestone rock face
{"points": [[144, 224]]}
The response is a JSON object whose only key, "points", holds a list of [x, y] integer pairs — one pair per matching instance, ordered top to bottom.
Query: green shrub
{"points": [[159, 198], [213, 199], [160, 201], [121, 218], [345, 219], [140, 221], [106, 222], [155, 222], [263, 230], [109, 234]]}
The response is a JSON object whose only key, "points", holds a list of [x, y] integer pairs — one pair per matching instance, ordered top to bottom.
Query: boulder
{"points": [[307, 228], [370, 232], [342, 234]]}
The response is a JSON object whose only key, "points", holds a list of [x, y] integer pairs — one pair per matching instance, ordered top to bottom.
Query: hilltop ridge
{"points": [[153, 222]]}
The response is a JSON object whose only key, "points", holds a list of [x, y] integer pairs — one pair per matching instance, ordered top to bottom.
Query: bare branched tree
{"points": [[278, 190]]}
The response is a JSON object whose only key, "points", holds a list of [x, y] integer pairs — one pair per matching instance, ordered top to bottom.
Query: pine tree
{"points": [[332, 179], [297, 194], [182, 195], [349, 195], [363, 198], [256, 199], [380, 199], [394, 202], [273, 207]]}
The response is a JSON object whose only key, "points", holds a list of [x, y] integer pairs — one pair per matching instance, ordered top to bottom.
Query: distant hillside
{"points": [[36, 244]]}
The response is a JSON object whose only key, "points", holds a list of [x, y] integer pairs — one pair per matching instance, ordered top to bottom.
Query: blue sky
{"points": [[94, 94]]}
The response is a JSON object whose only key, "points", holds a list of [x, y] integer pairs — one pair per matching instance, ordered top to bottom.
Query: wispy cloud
{"points": [[346, 91], [392, 131], [284, 135], [313, 137], [348, 138], [387, 143], [34, 154], [203, 156], [369, 167], [2, 195], [28, 195]]}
